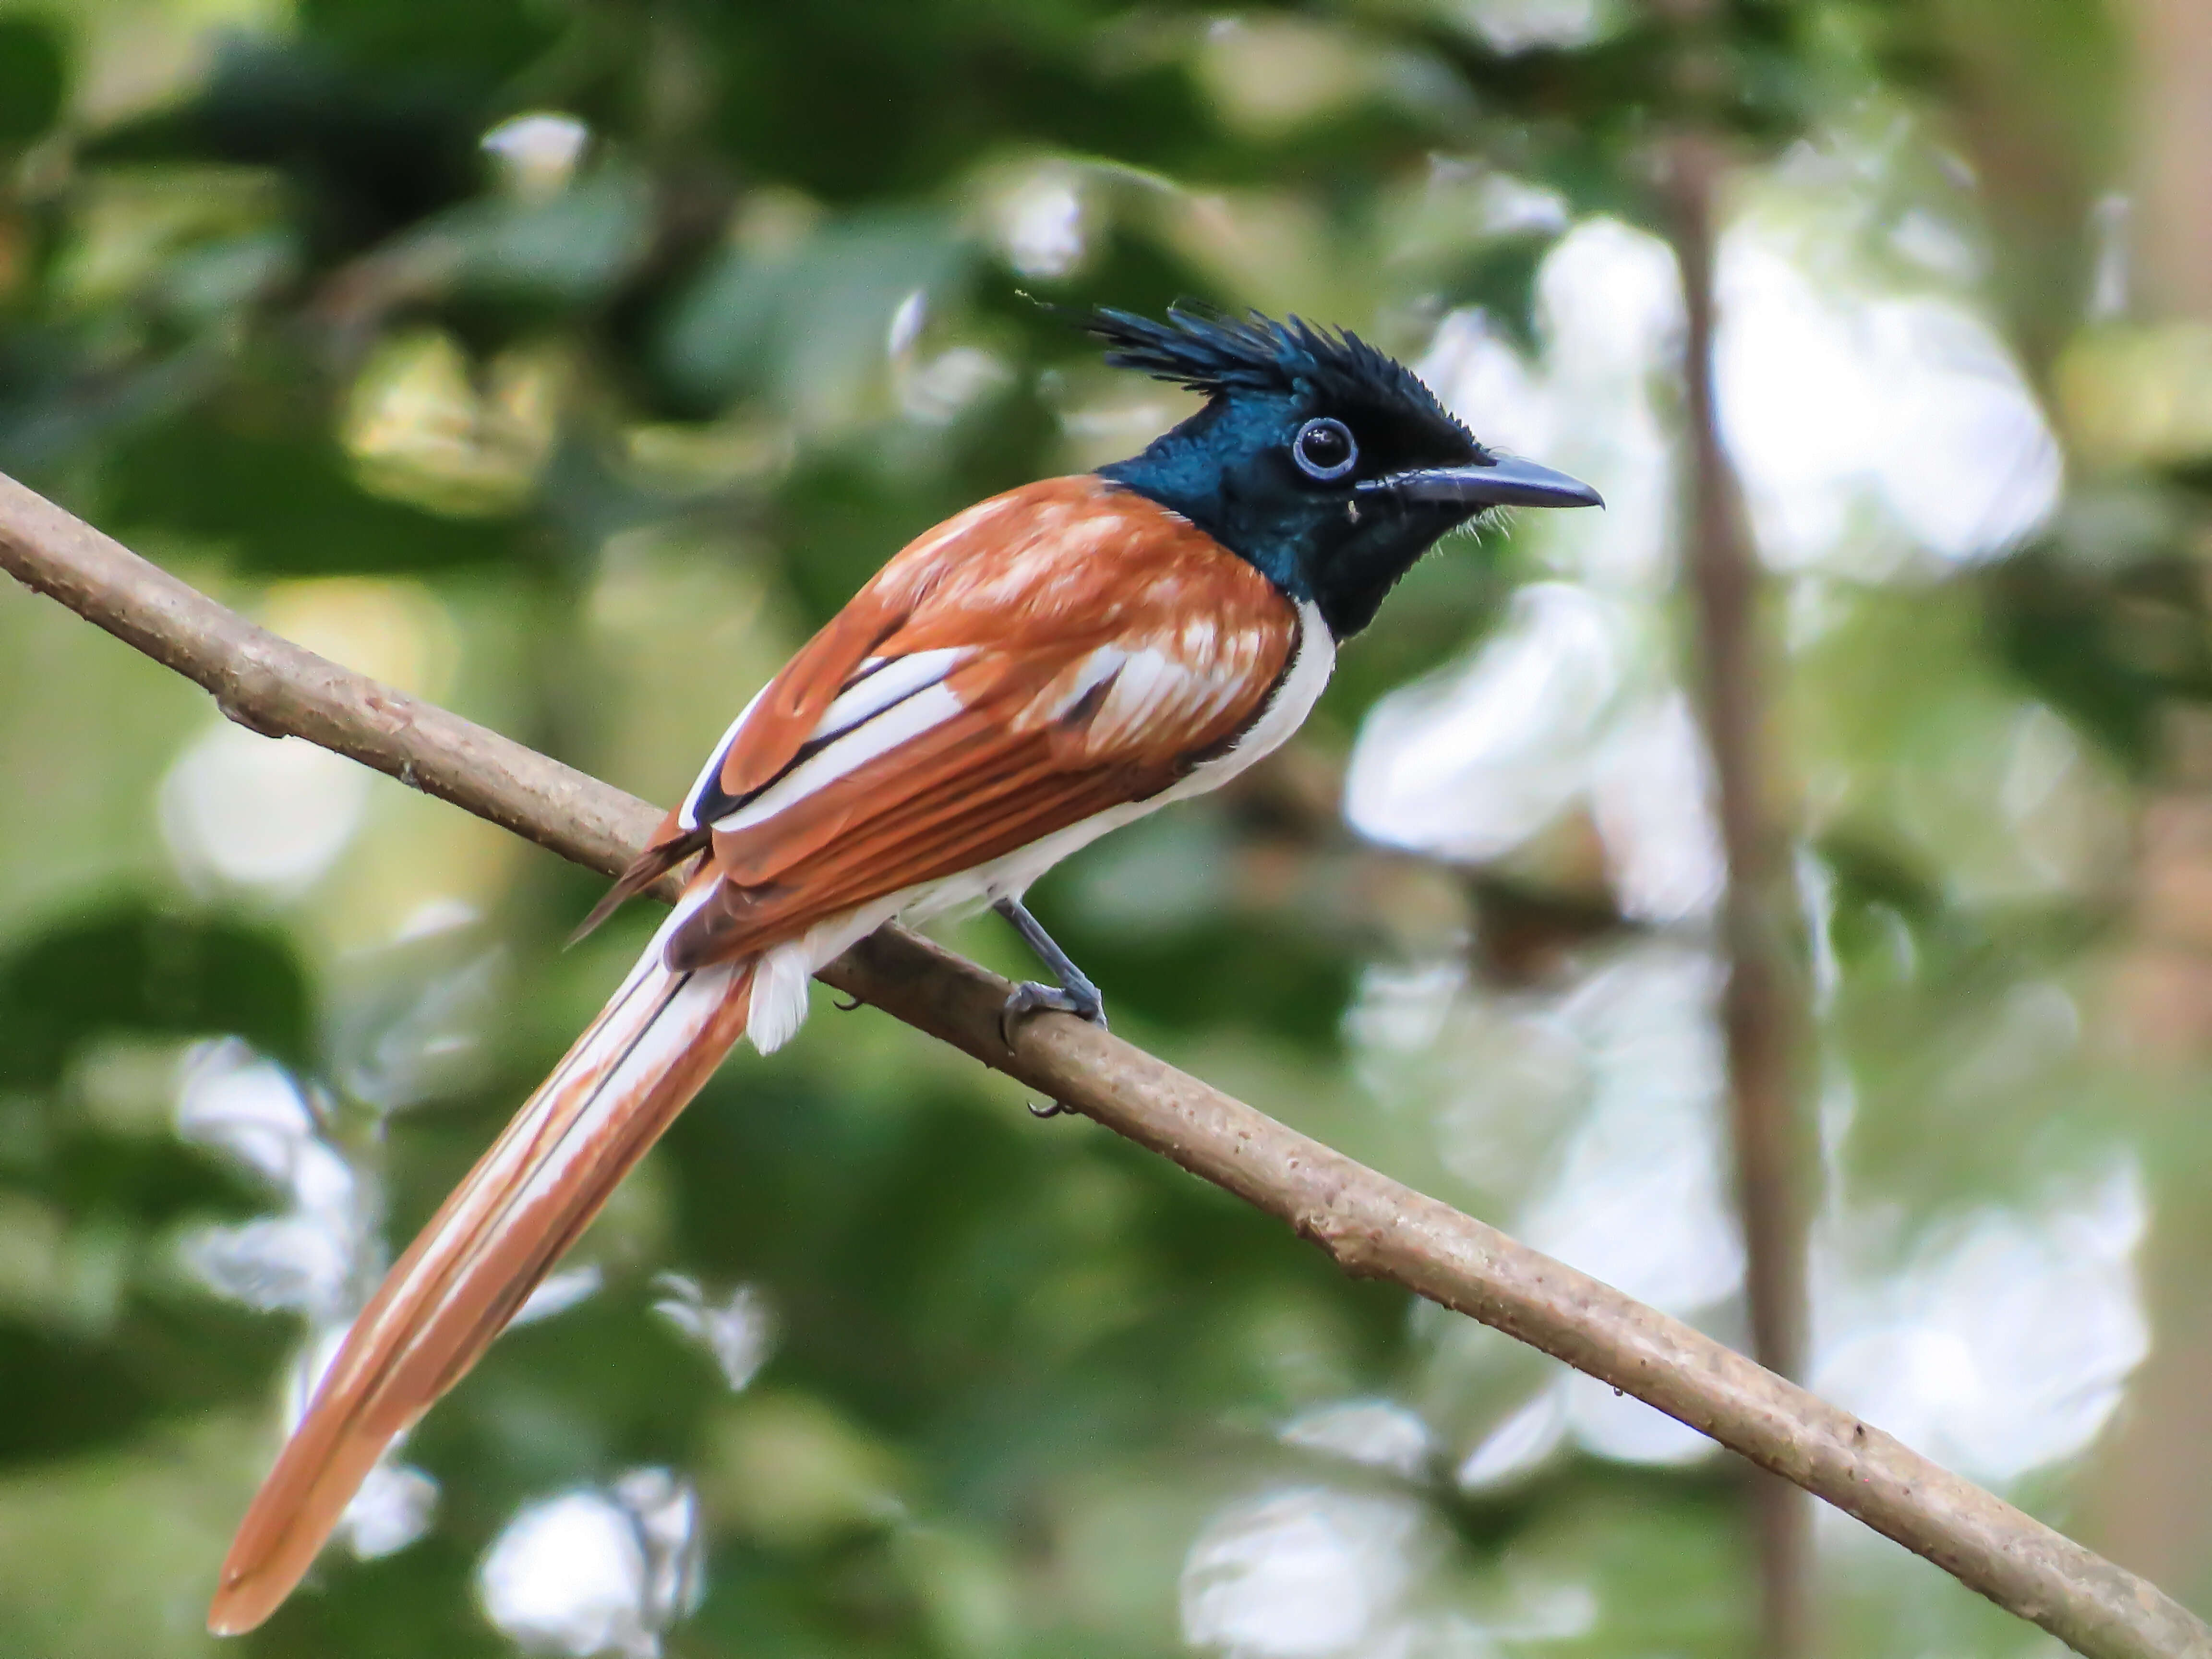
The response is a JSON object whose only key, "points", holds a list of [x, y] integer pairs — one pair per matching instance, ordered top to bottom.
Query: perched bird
{"points": [[1046, 666]]}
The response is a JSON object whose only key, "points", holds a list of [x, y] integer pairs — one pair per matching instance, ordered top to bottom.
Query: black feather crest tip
{"points": [[1215, 352]]}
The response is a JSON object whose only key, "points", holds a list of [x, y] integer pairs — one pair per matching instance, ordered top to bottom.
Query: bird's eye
{"points": [[1324, 449]]}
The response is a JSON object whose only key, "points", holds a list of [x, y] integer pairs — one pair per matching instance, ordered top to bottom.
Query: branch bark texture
{"points": [[1369, 1224]]}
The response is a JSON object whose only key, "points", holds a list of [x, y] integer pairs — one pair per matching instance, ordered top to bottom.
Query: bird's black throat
{"points": [[1227, 470]]}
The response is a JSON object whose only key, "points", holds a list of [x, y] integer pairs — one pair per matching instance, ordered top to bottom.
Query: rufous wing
{"points": [[1049, 656]]}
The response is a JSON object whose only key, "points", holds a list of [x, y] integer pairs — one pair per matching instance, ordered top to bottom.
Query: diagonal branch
{"points": [[1369, 1224]]}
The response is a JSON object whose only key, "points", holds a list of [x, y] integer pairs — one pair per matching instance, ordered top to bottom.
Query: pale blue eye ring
{"points": [[1324, 449]]}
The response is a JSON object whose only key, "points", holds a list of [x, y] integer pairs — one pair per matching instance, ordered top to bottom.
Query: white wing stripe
{"points": [[901, 678], [875, 687], [848, 752], [711, 774]]}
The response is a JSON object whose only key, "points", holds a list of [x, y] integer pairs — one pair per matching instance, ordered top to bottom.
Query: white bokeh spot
{"points": [[268, 813], [597, 1572], [1299, 1574]]}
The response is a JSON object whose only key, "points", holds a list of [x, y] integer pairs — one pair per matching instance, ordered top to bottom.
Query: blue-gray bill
{"points": [[1507, 481]]}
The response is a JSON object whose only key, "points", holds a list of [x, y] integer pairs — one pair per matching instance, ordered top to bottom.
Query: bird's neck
{"points": [[1183, 471]]}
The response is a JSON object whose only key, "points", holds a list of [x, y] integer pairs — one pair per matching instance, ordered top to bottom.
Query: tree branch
{"points": [[1369, 1224]]}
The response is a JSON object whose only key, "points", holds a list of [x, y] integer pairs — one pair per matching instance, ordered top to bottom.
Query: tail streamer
{"points": [[652, 1048]]}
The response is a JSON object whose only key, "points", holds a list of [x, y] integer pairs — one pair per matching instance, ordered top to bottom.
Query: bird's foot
{"points": [[1029, 997]]}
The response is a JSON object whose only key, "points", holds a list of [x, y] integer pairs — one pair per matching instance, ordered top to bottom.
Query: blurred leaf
{"points": [[480, 41], [34, 78], [852, 101], [367, 154], [574, 247], [1126, 267], [807, 323], [56, 401], [285, 505], [838, 522], [2108, 651], [1869, 874], [134, 969], [1230, 974], [149, 1183], [64, 1393], [60, 1396], [421, 1602]]}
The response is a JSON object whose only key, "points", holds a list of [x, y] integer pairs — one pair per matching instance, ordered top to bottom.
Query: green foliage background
{"points": [[584, 450]]}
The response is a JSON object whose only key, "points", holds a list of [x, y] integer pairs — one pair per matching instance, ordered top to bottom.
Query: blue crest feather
{"points": [[1217, 353]]}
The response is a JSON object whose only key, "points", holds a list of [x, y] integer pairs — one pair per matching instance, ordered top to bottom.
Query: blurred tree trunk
{"points": [[2034, 93], [2173, 154], [1760, 1018], [1763, 1018], [2149, 1508]]}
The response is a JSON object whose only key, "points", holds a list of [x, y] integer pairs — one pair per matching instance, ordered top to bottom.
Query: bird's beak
{"points": [[1506, 481]]}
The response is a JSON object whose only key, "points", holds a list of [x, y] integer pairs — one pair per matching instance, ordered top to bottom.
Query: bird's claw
{"points": [[1031, 998]]}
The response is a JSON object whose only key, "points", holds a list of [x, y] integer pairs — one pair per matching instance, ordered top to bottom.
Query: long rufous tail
{"points": [[649, 1051]]}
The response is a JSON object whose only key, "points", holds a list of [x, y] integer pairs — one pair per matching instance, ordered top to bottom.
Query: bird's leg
{"points": [[1075, 993]]}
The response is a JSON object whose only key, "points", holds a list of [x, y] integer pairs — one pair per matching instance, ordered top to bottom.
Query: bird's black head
{"points": [[1325, 463]]}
